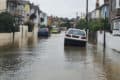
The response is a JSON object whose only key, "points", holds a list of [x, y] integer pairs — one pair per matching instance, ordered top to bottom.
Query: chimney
{"points": [[106, 1], [97, 4]]}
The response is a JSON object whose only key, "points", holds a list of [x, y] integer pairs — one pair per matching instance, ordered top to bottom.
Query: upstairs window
{"points": [[117, 3]]}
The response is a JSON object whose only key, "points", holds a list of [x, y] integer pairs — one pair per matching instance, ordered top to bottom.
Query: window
{"points": [[117, 3], [116, 25], [76, 32]]}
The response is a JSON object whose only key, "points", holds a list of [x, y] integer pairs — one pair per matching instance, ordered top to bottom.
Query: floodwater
{"points": [[48, 59]]}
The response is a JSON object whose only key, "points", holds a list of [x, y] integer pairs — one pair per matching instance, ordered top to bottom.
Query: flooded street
{"points": [[48, 59]]}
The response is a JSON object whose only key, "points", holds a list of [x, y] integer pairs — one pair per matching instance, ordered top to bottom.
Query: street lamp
{"points": [[87, 13], [87, 18], [76, 19], [104, 42]]}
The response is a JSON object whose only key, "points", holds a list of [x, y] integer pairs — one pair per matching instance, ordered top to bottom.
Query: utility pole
{"points": [[87, 13], [76, 15], [87, 18], [76, 19], [104, 42]]}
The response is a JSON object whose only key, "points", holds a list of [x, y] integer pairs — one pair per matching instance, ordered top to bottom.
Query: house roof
{"points": [[35, 7]]}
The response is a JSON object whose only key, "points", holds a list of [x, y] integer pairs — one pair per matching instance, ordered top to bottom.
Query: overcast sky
{"points": [[64, 8]]}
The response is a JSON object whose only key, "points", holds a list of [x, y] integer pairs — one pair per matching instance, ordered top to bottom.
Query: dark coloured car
{"points": [[43, 32]]}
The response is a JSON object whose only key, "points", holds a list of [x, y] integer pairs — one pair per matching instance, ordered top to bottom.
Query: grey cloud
{"points": [[64, 8]]}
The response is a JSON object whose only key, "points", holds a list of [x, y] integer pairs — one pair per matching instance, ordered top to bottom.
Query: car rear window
{"points": [[76, 32]]}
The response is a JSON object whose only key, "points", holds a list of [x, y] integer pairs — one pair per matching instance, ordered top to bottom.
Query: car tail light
{"points": [[67, 35], [83, 37]]}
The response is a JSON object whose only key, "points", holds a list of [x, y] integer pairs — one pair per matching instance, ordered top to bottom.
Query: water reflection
{"points": [[32, 41], [20, 43], [9, 46], [75, 54], [43, 56], [10, 62], [109, 62]]}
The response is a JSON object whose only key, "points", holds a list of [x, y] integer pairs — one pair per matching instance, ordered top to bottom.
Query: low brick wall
{"points": [[5, 38], [20, 38]]}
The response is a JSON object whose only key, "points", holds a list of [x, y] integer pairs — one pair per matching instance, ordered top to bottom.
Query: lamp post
{"points": [[87, 13], [87, 18], [76, 19], [14, 25], [104, 41]]}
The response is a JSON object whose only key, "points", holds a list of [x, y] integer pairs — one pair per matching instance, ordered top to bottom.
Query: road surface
{"points": [[48, 59]]}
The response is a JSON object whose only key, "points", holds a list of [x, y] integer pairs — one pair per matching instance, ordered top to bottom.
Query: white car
{"points": [[75, 36]]}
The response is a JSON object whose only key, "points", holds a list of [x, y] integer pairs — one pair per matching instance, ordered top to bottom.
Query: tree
{"points": [[6, 22], [66, 24], [81, 24], [99, 24], [106, 24], [95, 25]]}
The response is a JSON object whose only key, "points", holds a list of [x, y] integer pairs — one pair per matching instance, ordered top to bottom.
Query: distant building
{"points": [[100, 11], [104, 11], [95, 14], [50, 20]]}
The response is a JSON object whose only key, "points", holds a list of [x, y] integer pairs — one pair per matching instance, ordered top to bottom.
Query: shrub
{"points": [[7, 22], [81, 24]]}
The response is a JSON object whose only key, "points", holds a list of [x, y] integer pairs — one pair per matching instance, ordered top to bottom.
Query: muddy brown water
{"points": [[48, 59]]}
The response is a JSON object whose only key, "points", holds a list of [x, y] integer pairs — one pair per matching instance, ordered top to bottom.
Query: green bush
{"points": [[6, 22], [66, 24], [81, 24], [99, 24], [94, 25]]}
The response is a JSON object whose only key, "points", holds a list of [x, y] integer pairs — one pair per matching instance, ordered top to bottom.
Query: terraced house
{"points": [[101, 11], [115, 15]]}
